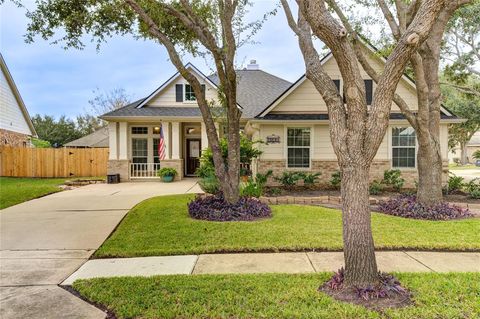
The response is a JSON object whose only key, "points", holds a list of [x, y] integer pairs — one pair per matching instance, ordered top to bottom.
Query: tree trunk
{"points": [[463, 154], [430, 171], [359, 250]]}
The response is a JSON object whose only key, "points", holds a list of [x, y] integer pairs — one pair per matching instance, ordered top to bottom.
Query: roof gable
{"points": [[16, 94]]}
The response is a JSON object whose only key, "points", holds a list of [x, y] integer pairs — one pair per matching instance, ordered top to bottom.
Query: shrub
{"points": [[476, 155], [167, 171], [289, 179], [310, 179], [336, 179], [393, 179], [455, 183], [209, 184], [254, 187], [376, 187], [473, 188], [275, 191], [408, 207], [215, 208], [388, 286]]}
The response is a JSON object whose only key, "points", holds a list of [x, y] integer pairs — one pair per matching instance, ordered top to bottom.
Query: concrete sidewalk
{"points": [[43, 241], [390, 261]]}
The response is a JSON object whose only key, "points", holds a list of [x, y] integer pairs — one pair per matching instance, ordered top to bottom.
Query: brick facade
{"points": [[14, 139], [328, 167]]}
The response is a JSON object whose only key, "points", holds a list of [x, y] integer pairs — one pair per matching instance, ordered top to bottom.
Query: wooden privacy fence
{"points": [[53, 162]]}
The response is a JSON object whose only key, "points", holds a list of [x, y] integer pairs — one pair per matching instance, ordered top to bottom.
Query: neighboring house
{"points": [[291, 119], [16, 127], [97, 139], [472, 147]]}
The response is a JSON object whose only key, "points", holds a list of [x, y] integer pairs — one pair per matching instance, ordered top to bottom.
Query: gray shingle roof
{"points": [[256, 89], [99, 138]]}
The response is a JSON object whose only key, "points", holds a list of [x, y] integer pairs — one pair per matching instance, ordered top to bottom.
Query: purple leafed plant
{"points": [[408, 207], [215, 208], [388, 286]]}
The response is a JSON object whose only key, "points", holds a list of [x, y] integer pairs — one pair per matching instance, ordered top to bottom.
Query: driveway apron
{"points": [[43, 241]]}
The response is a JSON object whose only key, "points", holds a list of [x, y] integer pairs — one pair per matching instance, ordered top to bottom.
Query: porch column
{"points": [[204, 136], [166, 138], [112, 140], [176, 140], [123, 141]]}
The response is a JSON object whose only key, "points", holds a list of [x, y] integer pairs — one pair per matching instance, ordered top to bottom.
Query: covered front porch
{"points": [[134, 148]]}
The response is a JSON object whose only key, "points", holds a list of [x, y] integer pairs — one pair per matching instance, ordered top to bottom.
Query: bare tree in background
{"points": [[107, 101], [356, 131]]}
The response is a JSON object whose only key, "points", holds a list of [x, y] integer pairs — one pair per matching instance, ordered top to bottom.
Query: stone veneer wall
{"points": [[15, 139], [119, 167], [328, 167]]}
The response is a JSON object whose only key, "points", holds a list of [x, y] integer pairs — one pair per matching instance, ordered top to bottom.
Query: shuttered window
{"points": [[369, 91]]}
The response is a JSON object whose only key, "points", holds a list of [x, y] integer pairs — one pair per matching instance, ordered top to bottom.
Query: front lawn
{"points": [[453, 167], [15, 190], [162, 226], [450, 296]]}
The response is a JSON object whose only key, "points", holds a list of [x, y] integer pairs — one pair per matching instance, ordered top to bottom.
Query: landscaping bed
{"points": [[162, 226], [453, 296]]}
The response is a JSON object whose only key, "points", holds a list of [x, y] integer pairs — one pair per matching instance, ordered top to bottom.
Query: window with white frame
{"points": [[189, 94], [139, 130], [298, 147], [403, 147], [139, 150], [156, 157]]}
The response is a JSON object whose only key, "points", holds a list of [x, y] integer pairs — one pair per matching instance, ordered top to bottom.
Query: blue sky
{"points": [[55, 81]]}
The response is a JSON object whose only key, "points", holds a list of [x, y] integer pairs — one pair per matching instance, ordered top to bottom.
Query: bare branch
{"points": [[390, 19]]}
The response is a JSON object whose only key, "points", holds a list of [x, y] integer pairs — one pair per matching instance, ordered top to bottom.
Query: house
{"points": [[291, 118], [16, 127], [97, 139], [472, 146]]}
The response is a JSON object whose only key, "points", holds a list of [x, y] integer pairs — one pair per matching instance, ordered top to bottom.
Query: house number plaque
{"points": [[273, 139]]}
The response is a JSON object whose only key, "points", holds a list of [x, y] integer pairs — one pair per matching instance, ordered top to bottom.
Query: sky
{"points": [[59, 82]]}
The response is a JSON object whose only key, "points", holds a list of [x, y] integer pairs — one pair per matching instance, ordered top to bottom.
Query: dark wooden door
{"points": [[193, 155]]}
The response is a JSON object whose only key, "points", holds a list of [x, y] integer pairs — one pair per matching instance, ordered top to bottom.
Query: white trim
{"points": [[172, 79], [390, 135], [285, 146]]}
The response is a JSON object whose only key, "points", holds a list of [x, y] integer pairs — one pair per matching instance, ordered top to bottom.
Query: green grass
{"points": [[456, 167], [15, 190], [162, 226], [439, 296]]}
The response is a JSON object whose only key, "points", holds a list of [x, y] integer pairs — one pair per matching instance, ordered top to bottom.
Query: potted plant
{"points": [[167, 174]]}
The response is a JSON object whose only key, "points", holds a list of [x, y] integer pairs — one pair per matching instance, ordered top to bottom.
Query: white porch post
{"points": [[204, 136], [166, 138], [112, 140], [176, 140], [123, 141]]}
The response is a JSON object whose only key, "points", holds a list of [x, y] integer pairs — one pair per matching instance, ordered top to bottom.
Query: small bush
{"points": [[167, 171], [289, 179], [310, 179], [336, 179], [393, 179], [455, 183], [209, 184], [254, 187], [376, 187], [473, 188], [275, 191], [408, 207], [215, 208]]}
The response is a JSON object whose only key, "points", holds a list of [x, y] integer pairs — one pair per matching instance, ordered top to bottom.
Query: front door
{"points": [[193, 156]]}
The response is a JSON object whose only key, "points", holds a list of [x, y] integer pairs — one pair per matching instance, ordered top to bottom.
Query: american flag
{"points": [[161, 145]]}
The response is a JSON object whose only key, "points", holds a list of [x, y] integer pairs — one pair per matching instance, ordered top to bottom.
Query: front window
{"points": [[189, 94], [140, 130], [298, 147], [403, 147], [139, 150], [156, 158]]}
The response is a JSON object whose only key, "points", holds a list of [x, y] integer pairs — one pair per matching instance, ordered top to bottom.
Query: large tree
{"points": [[396, 17], [211, 29], [356, 130], [56, 132]]}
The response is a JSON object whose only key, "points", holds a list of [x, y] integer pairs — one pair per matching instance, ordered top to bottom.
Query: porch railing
{"points": [[144, 170]]}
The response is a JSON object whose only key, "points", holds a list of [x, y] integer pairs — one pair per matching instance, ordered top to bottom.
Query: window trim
{"points": [[185, 94], [311, 147], [391, 147]]}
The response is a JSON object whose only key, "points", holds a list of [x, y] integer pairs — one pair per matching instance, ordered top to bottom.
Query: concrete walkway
{"points": [[43, 241], [402, 261]]}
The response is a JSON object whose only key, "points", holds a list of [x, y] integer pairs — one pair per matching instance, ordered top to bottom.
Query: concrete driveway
{"points": [[467, 174], [45, 240]]}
